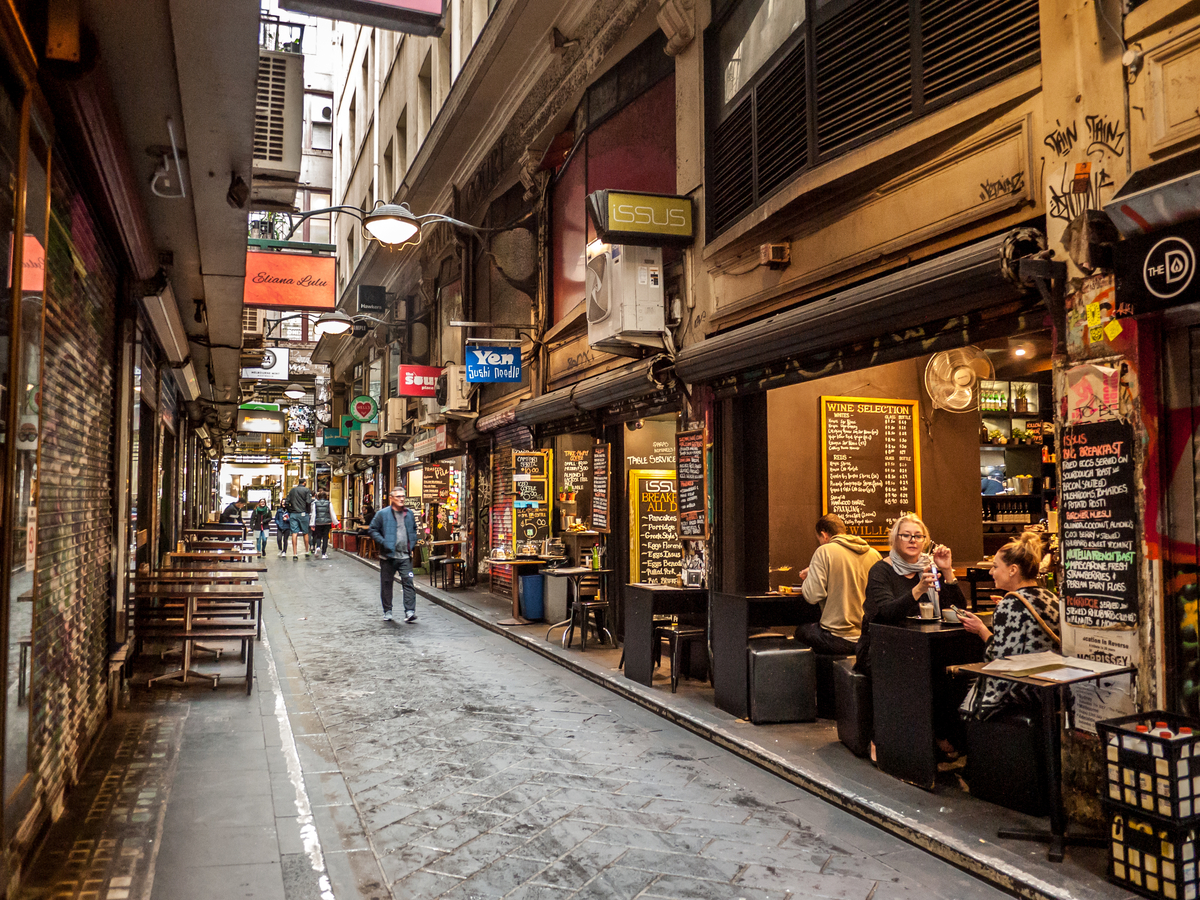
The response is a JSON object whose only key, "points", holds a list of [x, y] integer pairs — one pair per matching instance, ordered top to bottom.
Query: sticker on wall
{"points": [[364, 408], [27, 433]]}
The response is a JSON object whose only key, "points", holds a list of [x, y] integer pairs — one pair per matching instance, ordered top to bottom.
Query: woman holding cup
{"points": [[908, 582]]}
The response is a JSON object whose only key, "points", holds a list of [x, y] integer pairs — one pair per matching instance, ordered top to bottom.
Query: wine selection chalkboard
{"points": [[870, 462], [528, 464], [691, 473], [435, 483], [600, 484], [531, 523], [1099, 530], [655, 548]]}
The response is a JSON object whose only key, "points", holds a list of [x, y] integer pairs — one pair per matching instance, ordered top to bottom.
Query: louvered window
{"points": [[794, 83], [269, 108]]}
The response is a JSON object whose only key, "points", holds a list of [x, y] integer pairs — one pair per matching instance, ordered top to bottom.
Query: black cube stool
{"points": [[435, 563], [454, 573], [679, 641], [783, 682], [826, 702], [855, 709], [1005, 763]]}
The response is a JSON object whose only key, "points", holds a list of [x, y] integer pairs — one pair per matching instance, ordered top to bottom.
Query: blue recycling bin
{"points": [[532, 606]]}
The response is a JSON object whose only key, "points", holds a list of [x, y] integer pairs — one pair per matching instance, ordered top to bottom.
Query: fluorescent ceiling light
{"points": [[163, 313], [185, 376]]}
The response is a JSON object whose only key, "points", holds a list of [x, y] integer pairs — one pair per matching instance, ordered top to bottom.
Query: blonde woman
{"points": [[898, 582]]}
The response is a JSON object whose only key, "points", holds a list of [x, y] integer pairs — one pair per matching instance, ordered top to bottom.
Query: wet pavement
{"points": [[438, 759]]}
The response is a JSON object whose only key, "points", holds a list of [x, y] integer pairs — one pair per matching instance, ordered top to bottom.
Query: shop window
{"points": [[799, 82]]}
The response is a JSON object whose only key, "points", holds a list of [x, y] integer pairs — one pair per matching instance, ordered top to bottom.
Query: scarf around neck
{"points": [[924, 561]]}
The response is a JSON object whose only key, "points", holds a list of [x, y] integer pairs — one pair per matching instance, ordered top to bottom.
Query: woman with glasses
{"points": [[898, 583]]}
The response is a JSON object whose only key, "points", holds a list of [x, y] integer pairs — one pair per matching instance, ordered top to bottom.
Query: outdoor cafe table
{"points": [[214, 532], [206, 546], [213, 556], [223, 562], [517, 565], [575, 574], [197, 576], [202, 590], [192, 595], [642, 603], [733, 616], [1050, 695]]}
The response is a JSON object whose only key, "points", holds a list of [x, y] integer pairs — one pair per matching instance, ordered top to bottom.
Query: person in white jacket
{"points": [[323, 518], [836, 579]]}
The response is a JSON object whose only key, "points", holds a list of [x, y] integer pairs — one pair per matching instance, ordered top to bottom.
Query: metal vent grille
{"points": [[967, 41], [864, 74], [269, 108], [781, 122], [731, 184]]}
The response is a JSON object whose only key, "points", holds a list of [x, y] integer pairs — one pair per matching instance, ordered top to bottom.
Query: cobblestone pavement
{"points": [[483, 771]]}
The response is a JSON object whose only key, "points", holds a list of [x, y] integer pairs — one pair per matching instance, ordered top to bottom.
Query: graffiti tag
{"points": [[1105, 134], [1062, 140], [1013, 184], [1068, 200]]}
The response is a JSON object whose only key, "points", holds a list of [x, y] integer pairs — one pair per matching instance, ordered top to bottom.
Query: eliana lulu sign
{"points": [[290, 280], [492, 365], [418, 381]]}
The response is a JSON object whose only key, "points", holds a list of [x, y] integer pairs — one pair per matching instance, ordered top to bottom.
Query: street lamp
{"points": [[392, 224], [337, 322], [294, 391]]}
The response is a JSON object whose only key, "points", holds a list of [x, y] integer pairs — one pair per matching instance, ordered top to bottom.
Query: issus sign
{"points": [[622, 217], [493, 365]]}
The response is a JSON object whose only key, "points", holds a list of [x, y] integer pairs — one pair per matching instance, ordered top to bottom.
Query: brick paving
{"points": [[478, 770]]}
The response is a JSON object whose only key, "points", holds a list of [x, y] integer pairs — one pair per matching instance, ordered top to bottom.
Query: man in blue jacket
{"points": [[394, 529]]}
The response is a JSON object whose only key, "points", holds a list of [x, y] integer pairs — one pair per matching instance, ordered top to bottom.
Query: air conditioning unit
{"points": [[279, 115], [626, 306], [453, 395], [431, 413], [395, 419]]}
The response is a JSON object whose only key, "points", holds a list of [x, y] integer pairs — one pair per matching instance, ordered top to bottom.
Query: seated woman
{"points": [[900, 581], [1026, 621]]}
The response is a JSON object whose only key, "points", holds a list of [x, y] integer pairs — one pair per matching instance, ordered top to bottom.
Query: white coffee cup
{"points": [[926, 610], [949, 615]]}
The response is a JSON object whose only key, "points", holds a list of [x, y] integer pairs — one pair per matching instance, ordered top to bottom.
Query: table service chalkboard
{"points": [[870, 463], [691, 474], [600, 484], [1099, 525]]}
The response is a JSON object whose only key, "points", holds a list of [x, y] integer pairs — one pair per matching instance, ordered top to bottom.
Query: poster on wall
{"points": [[870, 463], [691, 475], [435, 482], [1098, 525], [655, 550]]}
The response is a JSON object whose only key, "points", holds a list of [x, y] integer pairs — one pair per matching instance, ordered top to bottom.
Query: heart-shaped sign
{"points": [[364, 408]]}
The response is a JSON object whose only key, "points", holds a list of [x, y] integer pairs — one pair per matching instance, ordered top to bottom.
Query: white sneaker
{"points": [[282, 554], [324, 556], [387, 617], [410, 617]]}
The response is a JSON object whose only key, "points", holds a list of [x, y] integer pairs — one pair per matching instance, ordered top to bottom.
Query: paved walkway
{"points": [[438, 759]]}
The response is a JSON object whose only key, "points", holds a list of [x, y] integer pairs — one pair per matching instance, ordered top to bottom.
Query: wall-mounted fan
{"points": [[952, 378]]}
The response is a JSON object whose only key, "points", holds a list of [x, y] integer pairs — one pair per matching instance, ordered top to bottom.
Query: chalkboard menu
{"points": [[870, 462], [528, 464], [577, 474], [691, 478], [435, 483], [600, 483], [530, 491], [1098, 522], [531, 523], [657, 554]]}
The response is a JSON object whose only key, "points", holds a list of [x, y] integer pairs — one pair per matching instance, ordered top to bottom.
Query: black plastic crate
{"points": [[1152, 775], [1152, 857]]}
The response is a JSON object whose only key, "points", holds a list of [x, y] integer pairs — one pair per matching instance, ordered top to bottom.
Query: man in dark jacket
{"points": [[232, 514], [394, 530]]}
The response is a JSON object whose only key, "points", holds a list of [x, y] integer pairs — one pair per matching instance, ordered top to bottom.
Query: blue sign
{"points": [[492, 365], [332, 437]]}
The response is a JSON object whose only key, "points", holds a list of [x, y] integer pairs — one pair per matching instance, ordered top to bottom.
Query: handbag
{"points": [[1033, 612]]}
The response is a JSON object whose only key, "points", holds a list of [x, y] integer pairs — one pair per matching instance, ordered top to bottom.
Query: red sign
{"points": [[33, 278], [290, 280], [419, 381]]}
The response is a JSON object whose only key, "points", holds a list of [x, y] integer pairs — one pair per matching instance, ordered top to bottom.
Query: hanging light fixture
{"points": [[391, 224], [333, 322], [294, 391]]}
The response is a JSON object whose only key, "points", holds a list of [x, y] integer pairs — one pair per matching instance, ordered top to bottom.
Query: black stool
{"points": [[435, 563], [454, 572], [581, 609], [679, 638], [782, 682], [826, 701], [855, 709], [1005, 763]]}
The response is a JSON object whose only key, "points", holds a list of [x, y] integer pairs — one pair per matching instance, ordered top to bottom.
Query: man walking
{"points": [[298, 500], [232, 514], [394, 529], [837, 580]]}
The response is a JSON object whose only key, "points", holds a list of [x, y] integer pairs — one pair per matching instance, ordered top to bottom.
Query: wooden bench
{"points": [[171, 621]]}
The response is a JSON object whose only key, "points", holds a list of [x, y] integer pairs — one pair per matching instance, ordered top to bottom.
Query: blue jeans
{"points": [[261, 541], [388, 568]]}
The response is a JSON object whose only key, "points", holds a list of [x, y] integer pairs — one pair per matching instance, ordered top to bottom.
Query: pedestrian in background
{"points": [[299, 499], [323, 518], [260, 524], [283, 527], [394, 530]]}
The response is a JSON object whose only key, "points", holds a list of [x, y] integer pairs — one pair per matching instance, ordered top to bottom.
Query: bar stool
{"points": [[435, 563], [455, 568], [679, 638]]}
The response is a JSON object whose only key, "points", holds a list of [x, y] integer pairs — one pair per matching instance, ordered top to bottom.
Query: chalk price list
{"points": [[870, 465], [1099, 531]]}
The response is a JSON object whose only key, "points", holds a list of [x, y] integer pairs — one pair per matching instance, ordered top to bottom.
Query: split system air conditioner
{"points": [[279, 115], [626, 306], [453, 392], [430, 415], [395, 419]]}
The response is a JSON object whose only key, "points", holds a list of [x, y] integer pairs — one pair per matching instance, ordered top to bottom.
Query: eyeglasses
{"points": [[914, 536]]}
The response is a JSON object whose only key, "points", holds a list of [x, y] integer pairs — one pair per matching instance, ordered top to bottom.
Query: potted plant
{"points": [[1021, 403], [996, 436], [1021, 436]]}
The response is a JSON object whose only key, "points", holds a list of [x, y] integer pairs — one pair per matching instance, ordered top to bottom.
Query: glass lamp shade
{"points": [[390, 223], [333, 322], [294, 392]]}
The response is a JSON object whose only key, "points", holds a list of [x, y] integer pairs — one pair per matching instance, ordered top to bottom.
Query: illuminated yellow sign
{"points": [[622, 217]]}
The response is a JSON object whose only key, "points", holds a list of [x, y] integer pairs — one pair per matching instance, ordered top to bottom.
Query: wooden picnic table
{"points": [[214, 531], [206, 546], [213, 556], [199, 565], [196, 576], [209, 593], [196, 616]]}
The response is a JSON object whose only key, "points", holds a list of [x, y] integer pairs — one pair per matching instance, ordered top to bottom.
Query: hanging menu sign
{"points": [[600, 459], [870, 460], [528, 464], [691, 473], [435, 483], [530, 491], [531, 523], [1099, 532], [656, 548]]}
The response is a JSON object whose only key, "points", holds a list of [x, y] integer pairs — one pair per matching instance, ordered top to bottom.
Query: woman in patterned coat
{"points": [[1015, 627]]}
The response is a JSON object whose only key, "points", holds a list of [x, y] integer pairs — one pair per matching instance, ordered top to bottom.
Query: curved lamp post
{"points": [[392, 224]]}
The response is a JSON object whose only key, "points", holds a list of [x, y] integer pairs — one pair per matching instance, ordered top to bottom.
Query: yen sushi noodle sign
{"points": [[493, 365]]}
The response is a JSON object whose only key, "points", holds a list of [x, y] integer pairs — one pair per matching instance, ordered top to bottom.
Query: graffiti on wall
{"points": [[1083, 178]]}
